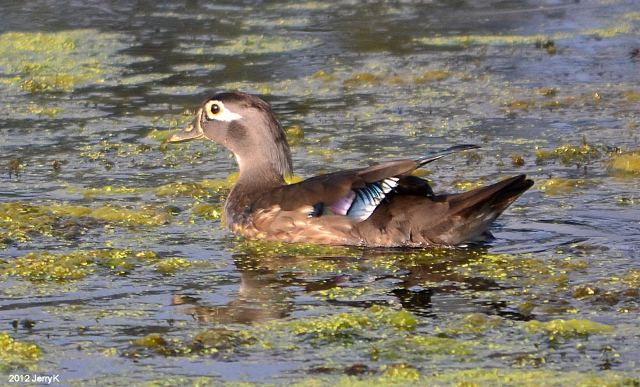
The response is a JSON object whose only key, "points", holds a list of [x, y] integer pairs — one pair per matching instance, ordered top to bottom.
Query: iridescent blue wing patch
{"points": [[366, 199]]}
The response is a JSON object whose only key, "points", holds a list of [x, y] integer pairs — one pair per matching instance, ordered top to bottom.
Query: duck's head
{"points": [[246, 126]]}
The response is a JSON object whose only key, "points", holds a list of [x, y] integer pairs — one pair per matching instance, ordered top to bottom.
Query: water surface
{"points": [[115, 265]]}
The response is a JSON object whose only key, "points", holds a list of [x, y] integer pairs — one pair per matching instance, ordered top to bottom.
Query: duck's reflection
{"points": [[271, 287]]}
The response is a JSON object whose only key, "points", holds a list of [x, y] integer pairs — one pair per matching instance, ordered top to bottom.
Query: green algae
{"points": [[491, 40], [57, 62], [373, 75], [435, 75], [324, 76], [367, 79], [362, 80], [547, 91], [632, 96], [548, 103], [520, 105], [40, 110], [170, 121], [295, 134], [103, 149], [569, 154], [517, 160], [628, 163], [468, 185], [560, 186], [202, 189], [107, 190], [208, 211], [144, 216], [22, 219], [18, 221], [257, 248], [46, 266], [170, 266], [524, 269], [632, 279], [585, 291], [342, 293], [76, 311], [401, 319], [474, 323], [337, 328], [343, 328], [567, 328], [221, 340], [152, 341], [218, 342], [153, 344], [419, 347], [17, 355], [399, 373], [478, 377], [506, 377]]}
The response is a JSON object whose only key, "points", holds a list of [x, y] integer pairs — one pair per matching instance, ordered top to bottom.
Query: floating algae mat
{"points": [[38, 62], [113, 251]]}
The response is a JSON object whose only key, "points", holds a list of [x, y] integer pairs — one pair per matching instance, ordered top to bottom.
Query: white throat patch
{"points": [[222, 113]]}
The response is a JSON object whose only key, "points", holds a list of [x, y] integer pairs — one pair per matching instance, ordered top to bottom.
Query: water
{"points": [[364, 82]]}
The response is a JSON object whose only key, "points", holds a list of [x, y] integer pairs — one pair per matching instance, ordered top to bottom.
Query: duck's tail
{"points": [[476, 209]]}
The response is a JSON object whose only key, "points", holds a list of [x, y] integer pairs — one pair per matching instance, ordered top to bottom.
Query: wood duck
{"points": [[380, 205]]}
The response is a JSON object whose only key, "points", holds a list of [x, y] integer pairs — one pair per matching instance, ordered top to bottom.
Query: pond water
{"points": [[114, 266]]}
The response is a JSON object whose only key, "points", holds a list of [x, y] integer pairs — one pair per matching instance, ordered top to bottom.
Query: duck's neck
{"points": [[255, 179]]}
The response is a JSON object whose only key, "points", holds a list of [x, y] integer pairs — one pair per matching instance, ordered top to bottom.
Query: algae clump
{"points": [[469, 40], [58, 61], [433, 76], [569, 154], [626, 163], [559, 186], [201, 189], [207, 211], [129, 217], [22, 219], [19, 221], [261, 248], [172, 265], [60, 267], [475, 323], [345, 327], [568, 328], [216, 341], [220, 341], [419, 347], [15, 354], [399, 373]]}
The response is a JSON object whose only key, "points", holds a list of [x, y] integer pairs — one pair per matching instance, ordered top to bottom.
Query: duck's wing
{"points": [[354, 193], [446, 219]]}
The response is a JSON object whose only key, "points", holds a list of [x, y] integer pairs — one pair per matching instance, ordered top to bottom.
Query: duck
{"points": [[381, 205]]}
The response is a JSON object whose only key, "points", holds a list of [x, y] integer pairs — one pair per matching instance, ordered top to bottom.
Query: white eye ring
{"points": [[222, 114]]}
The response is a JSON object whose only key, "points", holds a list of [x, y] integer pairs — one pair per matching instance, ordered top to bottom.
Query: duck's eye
{"points": [[214, 109]]}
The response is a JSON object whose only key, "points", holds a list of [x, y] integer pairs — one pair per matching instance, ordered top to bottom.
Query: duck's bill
{"points": [[192, 131]]}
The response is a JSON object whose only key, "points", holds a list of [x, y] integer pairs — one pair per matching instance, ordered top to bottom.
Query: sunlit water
{"points": [[365, 83]]}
